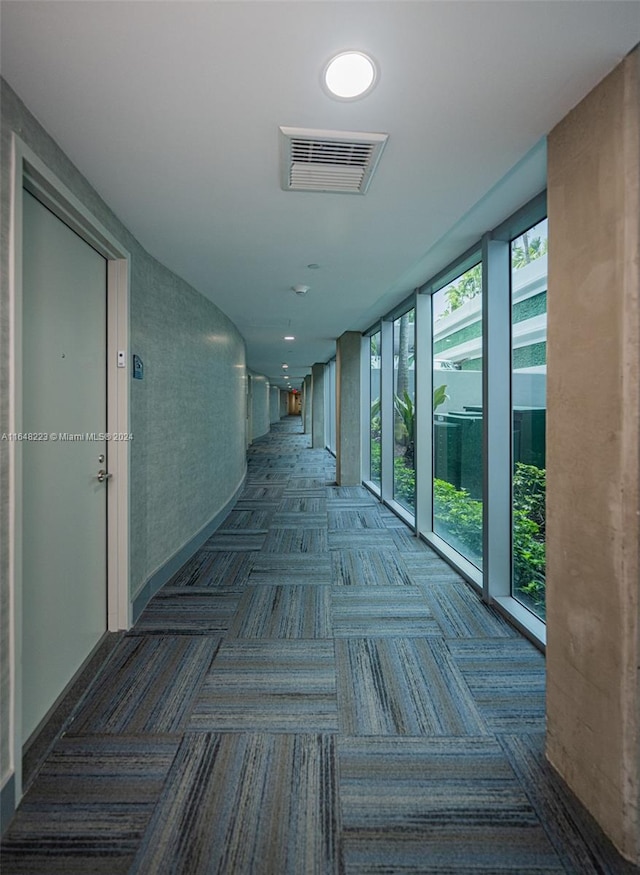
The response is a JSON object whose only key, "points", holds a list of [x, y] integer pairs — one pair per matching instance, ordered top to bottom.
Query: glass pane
{"points": [[528, 388], [404, 395], [457, 414], [375, 423]]}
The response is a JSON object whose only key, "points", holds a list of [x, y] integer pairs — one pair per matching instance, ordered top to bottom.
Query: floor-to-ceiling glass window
{"points": [[528, 391], [457, 414], [375, 421], [461, 444], [404, 475]]}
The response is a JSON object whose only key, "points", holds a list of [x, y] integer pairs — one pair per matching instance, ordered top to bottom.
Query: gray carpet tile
{"points": [[266, 478], [296, 484], [303, 493], [352, 493], [263, 494], [361, 502], [257, 504], [303, 505], [240, 518], [355, 518], [298, 519], [391, 521], [361, 539], [231, 540], [296, 540], [405, 541], [427, 567], [368, 568], [275, 569], [219, 570], [196, 609], [381, 611], [283, 612], [461, 614], [148, 685], [270, 686], [399, 686], [306, 699], [517, 702], [387, 782], [247, 803], [434, 804], [90, 806], [577, 838], [448, 850]]}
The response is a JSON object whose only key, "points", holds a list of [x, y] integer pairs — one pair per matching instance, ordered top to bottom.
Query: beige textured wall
{"points": [[593, 522]]}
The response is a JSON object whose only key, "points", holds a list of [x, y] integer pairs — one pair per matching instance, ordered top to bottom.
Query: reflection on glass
{"points": [[528, 387], [457, 414], [375, 428], [404, 474]]}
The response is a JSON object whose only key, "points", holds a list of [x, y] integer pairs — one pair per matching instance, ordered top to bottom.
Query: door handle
{"points": [[103, 475]]}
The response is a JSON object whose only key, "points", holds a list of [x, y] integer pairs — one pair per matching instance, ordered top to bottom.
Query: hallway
{"points": [[315, 691]]}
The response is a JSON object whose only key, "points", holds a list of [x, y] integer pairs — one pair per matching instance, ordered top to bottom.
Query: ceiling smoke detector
{"points": [[329, 161], [300, 290]]}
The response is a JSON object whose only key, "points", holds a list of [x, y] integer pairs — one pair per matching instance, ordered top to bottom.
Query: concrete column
{"points": [[307, 402], [317, 407], [348, 426], [593, 492]]}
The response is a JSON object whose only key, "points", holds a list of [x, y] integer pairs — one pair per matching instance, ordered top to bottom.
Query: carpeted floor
{"points": [[315, 691]]}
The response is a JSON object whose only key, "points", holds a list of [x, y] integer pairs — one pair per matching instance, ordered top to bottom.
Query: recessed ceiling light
{"points": [[349, 75], [313, 266], [300, 289], [289, 337], [285, 366]]}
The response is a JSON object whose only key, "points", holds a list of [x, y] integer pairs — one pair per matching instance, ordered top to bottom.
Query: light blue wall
{"points": [[284, 403], [274, 404], [189, 408], [187, 414], [260, 419]]}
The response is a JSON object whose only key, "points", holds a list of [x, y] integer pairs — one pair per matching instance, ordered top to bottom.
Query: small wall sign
{"points": [[138, 368]]}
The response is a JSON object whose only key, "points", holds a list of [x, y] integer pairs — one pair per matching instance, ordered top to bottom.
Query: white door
{"points": [[64, 601]]}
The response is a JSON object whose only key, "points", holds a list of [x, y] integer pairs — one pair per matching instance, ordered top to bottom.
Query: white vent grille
{"points": [[338, 161]]}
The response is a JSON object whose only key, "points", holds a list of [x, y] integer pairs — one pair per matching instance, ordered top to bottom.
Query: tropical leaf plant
{"points": [[439, 396]]}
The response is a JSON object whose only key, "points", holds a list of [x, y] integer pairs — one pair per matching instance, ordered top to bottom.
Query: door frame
{"points": [[30, 172]]}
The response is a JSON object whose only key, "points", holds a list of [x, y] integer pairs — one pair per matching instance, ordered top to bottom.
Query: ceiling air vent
{"points": [[338, 161]]}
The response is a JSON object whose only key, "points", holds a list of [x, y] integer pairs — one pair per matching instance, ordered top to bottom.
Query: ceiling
{"points": [[172, 110]]}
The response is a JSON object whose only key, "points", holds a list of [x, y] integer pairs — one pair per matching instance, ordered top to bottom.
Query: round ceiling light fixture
{"points": [[349, 75], [300, 289]]}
